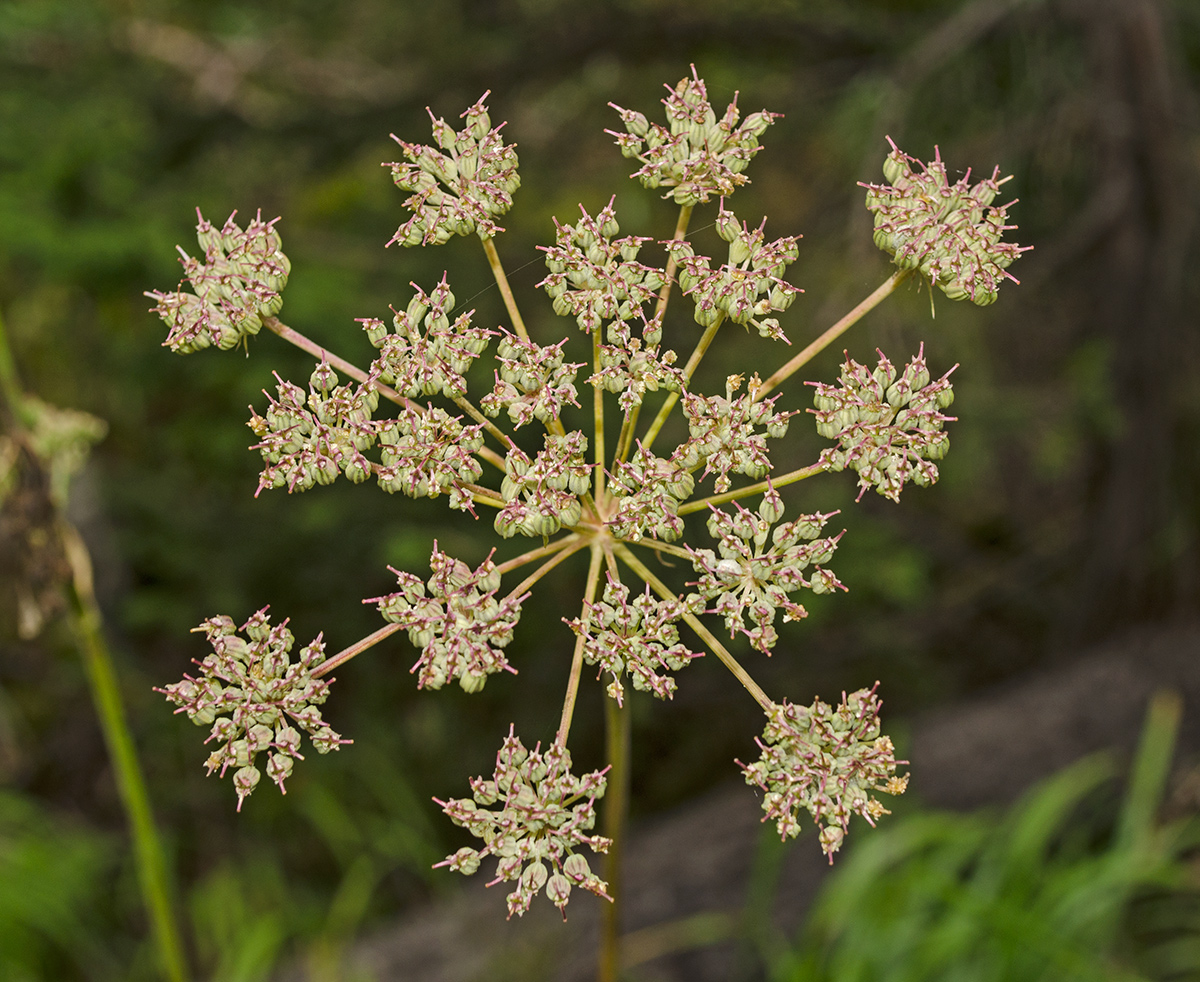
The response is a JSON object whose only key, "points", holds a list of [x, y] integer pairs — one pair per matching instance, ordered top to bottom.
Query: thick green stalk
{"points": [[883, 291], [618, 735], [131, 784]]}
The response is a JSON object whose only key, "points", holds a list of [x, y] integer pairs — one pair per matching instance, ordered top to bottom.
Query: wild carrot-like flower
{"points": [[697, 155], [460, 186], [950, 232], [238, 283], [888, 426], [571, 489], [254, 696], [826, 761], [544, 815]]}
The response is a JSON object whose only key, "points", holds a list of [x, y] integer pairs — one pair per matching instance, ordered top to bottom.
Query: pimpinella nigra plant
{"points": [[506, 454]]}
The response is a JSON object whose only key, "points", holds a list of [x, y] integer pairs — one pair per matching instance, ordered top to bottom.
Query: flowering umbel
{"points": [[696, 155], [460, 186], [950, 232], [238, 284], [888, 425], [612, 493], [255, 696], [827, 761], [543, 815]]}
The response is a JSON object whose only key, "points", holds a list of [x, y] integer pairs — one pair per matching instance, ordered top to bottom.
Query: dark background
{"points": [[1067, 512]]}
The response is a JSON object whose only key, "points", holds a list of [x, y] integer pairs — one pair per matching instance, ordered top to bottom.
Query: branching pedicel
{"points": [[574, 491]]}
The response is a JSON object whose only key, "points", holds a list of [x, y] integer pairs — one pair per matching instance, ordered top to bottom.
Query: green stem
{"points": [[884, 290], [664, 295], [510, 302], [292, 336], [693, 362], [468, 407], [598, 415], [625, 440], [776, 482], [485, 496], [665, 547], [563, 554], [528, 557], [593, 578], [705, 635], [618, 737], [131, 784]]}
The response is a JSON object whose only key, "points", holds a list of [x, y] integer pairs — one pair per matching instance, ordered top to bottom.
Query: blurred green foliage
{"points": [[118, 117], [1053, 888]]}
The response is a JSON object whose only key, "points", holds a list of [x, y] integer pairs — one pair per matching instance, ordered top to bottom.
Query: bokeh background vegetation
{"points": [[1067, 511]]}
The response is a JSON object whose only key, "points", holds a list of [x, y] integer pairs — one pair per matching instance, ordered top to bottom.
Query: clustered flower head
{"points": [[698, 156], [460, 187], [950, 232], [594, 276], [749, 286], [235, 287], [427, 353], [633, 366], [533, 382], [888, 425], [723, 435], [308, 439], [647, 493], [542, 496], [746, 576], [460, 626], [638, 639], [254, 697], [827, 761], [543, 814]]}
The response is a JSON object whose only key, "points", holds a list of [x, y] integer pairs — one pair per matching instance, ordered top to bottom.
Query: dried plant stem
{"points": [[884, 290], [510, 302], [292, 336], [693, 363], [777, 482], [585, 616], [705, 635], [357, 648], [618, 738], [150, 860]]}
